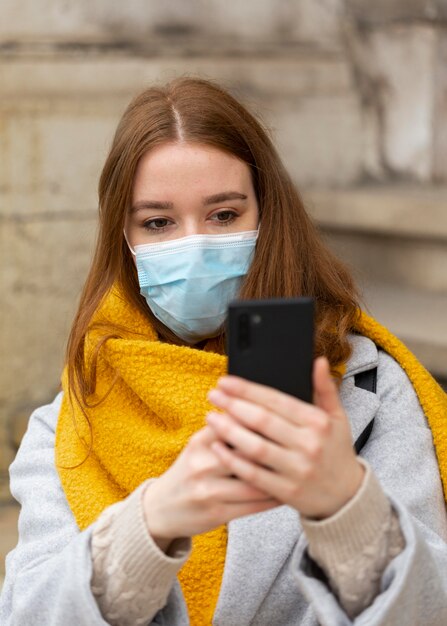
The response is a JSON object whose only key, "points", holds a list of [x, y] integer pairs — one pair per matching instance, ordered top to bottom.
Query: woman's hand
{"points": [[300, 454], [198, 493]]}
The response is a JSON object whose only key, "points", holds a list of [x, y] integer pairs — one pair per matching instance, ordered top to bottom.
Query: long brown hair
{"points": [[290, 258]]}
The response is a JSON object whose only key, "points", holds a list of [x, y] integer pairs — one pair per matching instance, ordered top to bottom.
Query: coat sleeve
{"points": [[48, 574], [413, 589]]}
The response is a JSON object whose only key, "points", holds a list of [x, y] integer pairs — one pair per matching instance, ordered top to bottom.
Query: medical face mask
{"points": [[189, 282]]}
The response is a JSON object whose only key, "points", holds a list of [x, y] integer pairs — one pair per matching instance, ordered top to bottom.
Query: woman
{"points": [[289, 525]]}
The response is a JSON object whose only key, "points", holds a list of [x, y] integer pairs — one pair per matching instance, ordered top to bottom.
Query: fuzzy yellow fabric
{"points": [[154, 400], [157, 402]]}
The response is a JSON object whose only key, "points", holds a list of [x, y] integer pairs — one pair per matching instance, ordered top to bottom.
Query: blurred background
{"points": [[353, 91]]}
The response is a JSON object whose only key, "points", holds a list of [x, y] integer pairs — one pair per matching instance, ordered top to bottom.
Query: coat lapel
{"points": [[360, 405], [257, 547]]}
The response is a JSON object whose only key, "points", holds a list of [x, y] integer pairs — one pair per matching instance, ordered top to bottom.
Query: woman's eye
{"points": [[224, 217], [158, 223]]}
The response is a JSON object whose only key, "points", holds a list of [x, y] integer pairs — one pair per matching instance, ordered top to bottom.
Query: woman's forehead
{"points": [[178, 167]]}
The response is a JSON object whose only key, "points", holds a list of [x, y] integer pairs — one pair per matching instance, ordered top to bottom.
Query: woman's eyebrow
{"points": [[223, 196], [214, 199], [151, 204]]}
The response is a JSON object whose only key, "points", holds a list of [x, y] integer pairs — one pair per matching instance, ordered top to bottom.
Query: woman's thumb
{"points": [[326, 395]]}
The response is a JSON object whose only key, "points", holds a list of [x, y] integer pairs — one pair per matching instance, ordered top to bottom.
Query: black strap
{"points": [[367, 381]]}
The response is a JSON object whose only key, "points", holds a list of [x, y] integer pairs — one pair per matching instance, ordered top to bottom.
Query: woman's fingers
{"points": [[326, 395], [272, 399], [258, 411], [274, 414], [260, 420], [202, 437], [284, 447], [260, 450], [261, 478], [233, 490]]}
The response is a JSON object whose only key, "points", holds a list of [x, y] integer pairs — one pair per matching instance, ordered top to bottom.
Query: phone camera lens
{"points": [[244, 331]]}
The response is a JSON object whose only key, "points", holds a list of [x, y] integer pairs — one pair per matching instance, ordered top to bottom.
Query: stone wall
{"points": [[354, 93]]}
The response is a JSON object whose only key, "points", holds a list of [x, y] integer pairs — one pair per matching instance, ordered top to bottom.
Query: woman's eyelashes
{"points": [[224, 218], [157, 224], [160, 224]]}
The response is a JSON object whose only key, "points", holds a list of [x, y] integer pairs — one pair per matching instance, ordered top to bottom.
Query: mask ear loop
{"points": [[127, 241]]}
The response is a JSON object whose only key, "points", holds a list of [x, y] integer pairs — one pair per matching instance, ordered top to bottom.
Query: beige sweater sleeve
{"points": [[354, 546], [131, 577]]}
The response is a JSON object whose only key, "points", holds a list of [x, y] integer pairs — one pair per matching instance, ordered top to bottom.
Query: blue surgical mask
{"points": [[189, 282]]}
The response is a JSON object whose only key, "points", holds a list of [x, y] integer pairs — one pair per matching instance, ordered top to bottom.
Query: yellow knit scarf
{"points": [[154, 400], [158, 400]]}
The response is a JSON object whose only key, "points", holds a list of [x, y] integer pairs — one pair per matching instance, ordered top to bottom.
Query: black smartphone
{"points": [[271, 342]]}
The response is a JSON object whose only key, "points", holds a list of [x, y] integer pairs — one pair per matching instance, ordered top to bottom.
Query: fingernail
{"points": [[226, 382], [214, 395], [212, 418]]}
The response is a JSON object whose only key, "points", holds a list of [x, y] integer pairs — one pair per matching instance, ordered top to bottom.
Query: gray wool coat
{"points": [[268, 579]]}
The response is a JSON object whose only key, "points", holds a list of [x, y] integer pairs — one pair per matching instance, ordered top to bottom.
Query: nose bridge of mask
{"points": [[196, 241], [171, 246], [191, 263]]}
